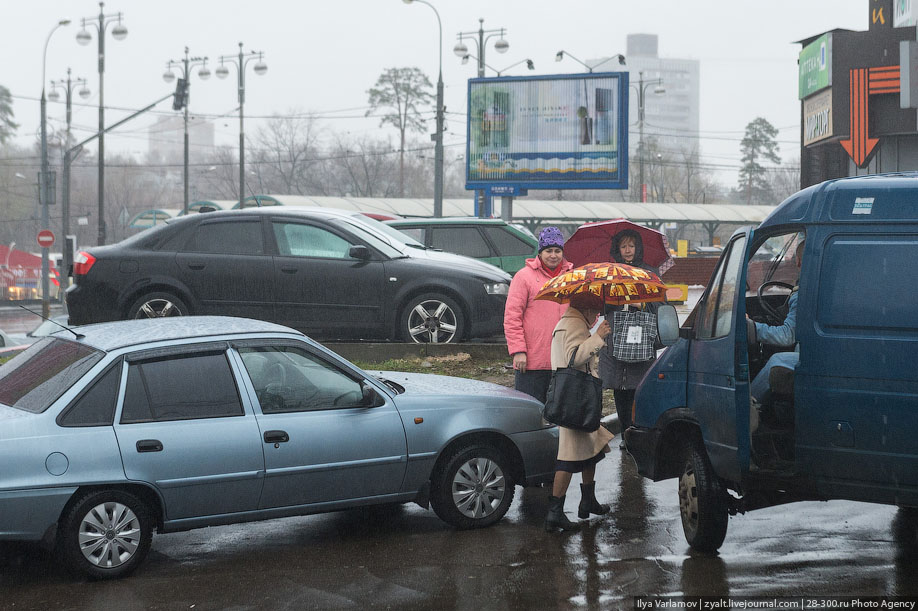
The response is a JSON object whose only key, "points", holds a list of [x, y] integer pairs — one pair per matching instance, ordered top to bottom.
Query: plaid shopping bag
{"points": [[633, 336]]}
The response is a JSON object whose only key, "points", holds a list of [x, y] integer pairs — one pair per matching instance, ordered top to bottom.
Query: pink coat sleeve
{"points": [[517, 301]]}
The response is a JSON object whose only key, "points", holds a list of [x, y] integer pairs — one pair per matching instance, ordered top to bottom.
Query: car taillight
{"points": [[82, 263]]}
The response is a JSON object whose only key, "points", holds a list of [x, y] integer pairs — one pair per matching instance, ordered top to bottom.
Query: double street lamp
{"points": [[119, 32], [481, 44], [562, 53], [240, 61], [529, 64], [185, 66], [67, 85], [438, 135], [43, 188]]}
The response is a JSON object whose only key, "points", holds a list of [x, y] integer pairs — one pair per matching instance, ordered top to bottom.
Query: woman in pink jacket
{"points": [[528, 324]]}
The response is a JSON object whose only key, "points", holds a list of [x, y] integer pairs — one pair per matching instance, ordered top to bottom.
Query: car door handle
{"points": [[196, 266], [289, 270], [276, 437], [149, 445]]}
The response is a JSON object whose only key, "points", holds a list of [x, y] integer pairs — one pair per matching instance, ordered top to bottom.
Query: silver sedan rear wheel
{"points": [[106, 534], [109, 535]]}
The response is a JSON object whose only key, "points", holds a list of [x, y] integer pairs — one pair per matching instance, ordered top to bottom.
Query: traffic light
{"points": [[180, 99]]}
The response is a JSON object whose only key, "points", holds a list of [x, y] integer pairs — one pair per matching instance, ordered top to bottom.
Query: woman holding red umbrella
{"points": [[623, 377]]}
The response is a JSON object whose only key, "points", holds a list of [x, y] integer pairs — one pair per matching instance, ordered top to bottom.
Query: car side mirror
{"points": [[359, 252], [667, 325], [369, 396]]}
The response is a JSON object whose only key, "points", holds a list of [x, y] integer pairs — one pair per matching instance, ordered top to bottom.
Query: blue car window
{"points": [[35, 378], [288, 379], [183, 388], [96, 406]]}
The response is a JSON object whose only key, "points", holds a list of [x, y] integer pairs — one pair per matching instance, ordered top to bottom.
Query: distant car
{"points": [[495, 241], [329, 273], [115, 430]]}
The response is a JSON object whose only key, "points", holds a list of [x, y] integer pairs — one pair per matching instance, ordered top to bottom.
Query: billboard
{"points": [[815, 62], [548, 132]]}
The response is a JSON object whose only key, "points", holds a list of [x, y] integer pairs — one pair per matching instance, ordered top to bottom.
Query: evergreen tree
{"points": [[758, 145]]}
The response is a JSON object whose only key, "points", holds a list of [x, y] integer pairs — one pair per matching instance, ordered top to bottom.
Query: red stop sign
{"points": [[46, 238]]}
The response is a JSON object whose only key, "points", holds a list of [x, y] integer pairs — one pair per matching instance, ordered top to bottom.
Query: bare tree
{"points": [[401, 93], [285, 154]]}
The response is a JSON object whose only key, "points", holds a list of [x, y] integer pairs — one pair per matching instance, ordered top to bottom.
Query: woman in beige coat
{"points": [[578, 451]]}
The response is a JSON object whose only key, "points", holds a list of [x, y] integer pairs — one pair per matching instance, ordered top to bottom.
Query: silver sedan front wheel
{"points": [[472, 487]]}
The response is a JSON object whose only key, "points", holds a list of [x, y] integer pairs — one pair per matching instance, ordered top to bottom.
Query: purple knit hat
{"points": [[550, 237]]}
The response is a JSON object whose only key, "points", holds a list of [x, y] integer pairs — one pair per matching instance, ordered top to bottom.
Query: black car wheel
{"points": [[158, 305], [433, 319], [472, 488], [702, 501], [107, 534]]}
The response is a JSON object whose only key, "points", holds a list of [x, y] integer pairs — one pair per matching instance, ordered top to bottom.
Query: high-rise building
{"points": [[671, 118], [166, 137]]}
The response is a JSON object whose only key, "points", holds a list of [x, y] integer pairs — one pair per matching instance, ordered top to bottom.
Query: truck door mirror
{"points": [[667, 325]]}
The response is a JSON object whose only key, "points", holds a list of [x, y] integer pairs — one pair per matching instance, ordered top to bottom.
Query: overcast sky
{"points": [[323, 56]]}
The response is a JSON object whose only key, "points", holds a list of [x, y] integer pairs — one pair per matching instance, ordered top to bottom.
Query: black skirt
{"points": [[576, 466]]}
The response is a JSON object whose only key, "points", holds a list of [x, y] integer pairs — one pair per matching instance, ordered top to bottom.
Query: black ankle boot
{"points": [[588, 502], [556, 520]]}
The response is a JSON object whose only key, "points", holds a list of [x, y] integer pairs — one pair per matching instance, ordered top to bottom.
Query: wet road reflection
{"points": [[406, 558]]}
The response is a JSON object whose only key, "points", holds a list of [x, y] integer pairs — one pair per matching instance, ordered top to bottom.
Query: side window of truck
{"points": [[717, 315]]}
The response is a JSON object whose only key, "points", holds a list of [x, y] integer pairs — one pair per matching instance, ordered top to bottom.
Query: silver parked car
{"points": [[114, 430]]}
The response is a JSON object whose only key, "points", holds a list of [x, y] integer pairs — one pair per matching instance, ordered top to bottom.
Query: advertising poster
{"points": [[562, 131]]}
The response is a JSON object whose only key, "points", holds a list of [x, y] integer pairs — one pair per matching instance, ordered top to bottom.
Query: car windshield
{"points": [[395, 237], [35, 378]]}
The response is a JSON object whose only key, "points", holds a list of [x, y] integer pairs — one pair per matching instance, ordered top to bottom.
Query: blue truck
{"points": [[842, 423]]}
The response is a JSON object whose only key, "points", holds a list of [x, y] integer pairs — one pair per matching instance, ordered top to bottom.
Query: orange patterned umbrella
{"points": [[615, 283]]}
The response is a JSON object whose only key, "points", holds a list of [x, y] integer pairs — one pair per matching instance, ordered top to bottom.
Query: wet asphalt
{"points": [[406, 558]]}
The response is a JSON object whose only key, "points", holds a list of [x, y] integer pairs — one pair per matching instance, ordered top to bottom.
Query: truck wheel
{"points": [[158, 305], [432, 318], [472, 488], [702, 502], [107, 534]]}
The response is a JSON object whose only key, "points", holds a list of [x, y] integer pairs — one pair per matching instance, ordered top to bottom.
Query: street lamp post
{"points": [[119, 32], [462, 50], [560, 55], [241, 61], [529, 64], [204, 73], [68, 85], [641, 88], [438, 135], [43, 180]]}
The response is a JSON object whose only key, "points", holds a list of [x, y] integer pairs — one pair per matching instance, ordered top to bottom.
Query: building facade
{"points": [[858, 96]]}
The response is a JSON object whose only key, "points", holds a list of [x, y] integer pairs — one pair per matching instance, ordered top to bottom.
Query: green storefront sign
{"points": [[816, 65]]}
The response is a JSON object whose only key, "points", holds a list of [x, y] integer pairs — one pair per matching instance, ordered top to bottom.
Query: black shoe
{"points": [[622, 447], [589, 504], [556, 520]]}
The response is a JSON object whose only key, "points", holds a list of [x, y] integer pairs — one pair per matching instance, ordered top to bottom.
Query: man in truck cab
{"points": [[783, 335]]}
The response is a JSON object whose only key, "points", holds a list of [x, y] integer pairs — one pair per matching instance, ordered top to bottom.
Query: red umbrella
{"points": [[592, 241]]}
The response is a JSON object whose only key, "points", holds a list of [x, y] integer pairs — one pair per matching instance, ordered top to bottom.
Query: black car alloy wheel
{"points": [[434, 319]]}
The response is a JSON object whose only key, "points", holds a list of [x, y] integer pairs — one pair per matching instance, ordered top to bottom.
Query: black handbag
{"points": [[574, 399]]}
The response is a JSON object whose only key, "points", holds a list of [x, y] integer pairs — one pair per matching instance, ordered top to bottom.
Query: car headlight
{"points": [[497, 288]]}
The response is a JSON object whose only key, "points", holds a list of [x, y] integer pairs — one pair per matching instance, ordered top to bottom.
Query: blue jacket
{"points": [[784, 334]]}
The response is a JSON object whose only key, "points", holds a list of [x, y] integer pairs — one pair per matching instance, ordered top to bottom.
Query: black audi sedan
{"points": [[332, 274]]}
